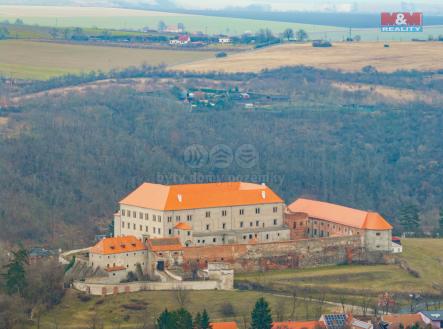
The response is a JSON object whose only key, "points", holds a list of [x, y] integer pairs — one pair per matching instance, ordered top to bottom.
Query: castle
{"points": [[159, 226]]}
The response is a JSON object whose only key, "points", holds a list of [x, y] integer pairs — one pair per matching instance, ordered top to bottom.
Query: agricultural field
{"points": [[117, 18], [341, 56], [43, 60], [354, 282], [120, 310]]}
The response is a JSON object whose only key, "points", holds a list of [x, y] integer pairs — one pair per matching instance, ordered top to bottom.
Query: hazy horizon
{"points": [[365, 6]]}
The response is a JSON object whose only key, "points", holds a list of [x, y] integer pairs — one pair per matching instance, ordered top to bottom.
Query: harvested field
{"points": [[342, 56]]}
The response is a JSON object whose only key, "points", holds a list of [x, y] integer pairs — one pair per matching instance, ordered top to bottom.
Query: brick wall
{"points": [[280, 255]]}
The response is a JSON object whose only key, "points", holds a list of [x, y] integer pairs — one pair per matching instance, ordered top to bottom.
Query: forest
{"points": [[66, 160]]}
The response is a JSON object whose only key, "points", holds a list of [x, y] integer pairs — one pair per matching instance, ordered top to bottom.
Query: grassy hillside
{"points": [[40, 60], [355, 282], [111, 310]]}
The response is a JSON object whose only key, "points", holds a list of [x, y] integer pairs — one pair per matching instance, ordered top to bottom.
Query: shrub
{"points": [[221, 54], [84, 297], [227, 309]]}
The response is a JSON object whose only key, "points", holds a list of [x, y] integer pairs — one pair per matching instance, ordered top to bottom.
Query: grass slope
{"points": [[40, 60], [76, 314]]}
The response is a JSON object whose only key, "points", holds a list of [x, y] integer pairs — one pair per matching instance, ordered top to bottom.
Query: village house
{"points": [[173, 29], [224, 40], [181, 41], [203, 214], [316, 219], [433, 318], [397, 321], [224, 325], [296, 325]]}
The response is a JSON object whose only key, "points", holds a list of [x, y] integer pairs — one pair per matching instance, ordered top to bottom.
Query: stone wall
{"points": [[282, 255]]}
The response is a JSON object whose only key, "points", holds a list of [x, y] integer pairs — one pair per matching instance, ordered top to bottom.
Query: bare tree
{"points": [[182, 296], [294, 302], [280, 309]]}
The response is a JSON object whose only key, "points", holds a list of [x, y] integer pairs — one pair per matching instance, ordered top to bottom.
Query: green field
{"points": [[115, 18], [41, 60], [357, 281], [75, 313]]}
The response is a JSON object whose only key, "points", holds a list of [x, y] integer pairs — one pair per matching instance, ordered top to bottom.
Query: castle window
{"points": [[274, 209], [257, 210], [242, 211], [123, 212], [224, 212], [129, 213], [134, 214], [208, 214], [140, 215], [146, 216], [154, 218], [159, 218], [177, 218], [189, 218], [169, 219], [275, 222], [257, 223], [301, 223], [123, 224], [241, 224], [251, 224], [129, 225], [224, 225], [294, 225], [133, 226], [141, 227], [207, 227], [147, 229], [153, 229], [159, 230], [170, 231], [189, 233], [378, 234], [250, 236], [267, 236], [244, 237], [214, 240]]}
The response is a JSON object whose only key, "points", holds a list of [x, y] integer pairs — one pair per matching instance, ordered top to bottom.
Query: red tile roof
{"points": [[194, 196], [340, 214], [165, 244], [118, 245], [407, 320], [224, 325], [296, 325]]}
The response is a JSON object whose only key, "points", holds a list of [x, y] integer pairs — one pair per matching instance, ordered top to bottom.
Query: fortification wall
{"points": [[283, 255]]}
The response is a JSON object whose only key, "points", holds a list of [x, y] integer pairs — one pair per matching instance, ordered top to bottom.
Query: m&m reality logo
{"points": [[402, 22]]}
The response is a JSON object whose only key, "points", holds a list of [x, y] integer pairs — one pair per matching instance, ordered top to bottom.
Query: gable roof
{"points": [[193, 196], [340, 214], [165, 244], [117, 245], [433, 315], [407, 320], [224, 325], [296, 325]]}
